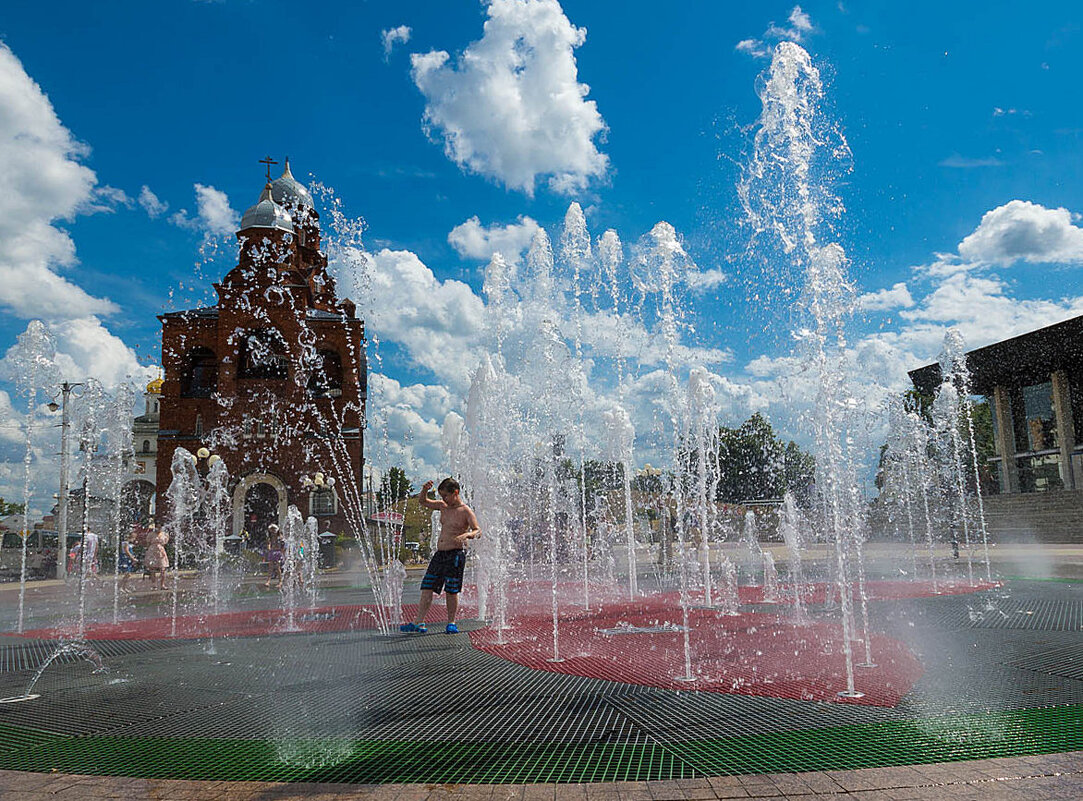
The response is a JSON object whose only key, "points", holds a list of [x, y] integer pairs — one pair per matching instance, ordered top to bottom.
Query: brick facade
{"points": [[273, 377]]}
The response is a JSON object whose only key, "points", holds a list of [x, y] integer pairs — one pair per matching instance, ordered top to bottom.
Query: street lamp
{"points": [[205, 461], [317, 483], [62, 522]]}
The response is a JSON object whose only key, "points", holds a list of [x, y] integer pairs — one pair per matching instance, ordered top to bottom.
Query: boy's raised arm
{"points": [[424, 499]]}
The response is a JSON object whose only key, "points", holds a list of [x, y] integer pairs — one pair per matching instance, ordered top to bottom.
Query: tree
{"points": [[755, 464], [394, 487], [10, 508]]}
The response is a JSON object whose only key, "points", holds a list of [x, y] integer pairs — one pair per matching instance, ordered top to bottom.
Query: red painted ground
{"points": [[753, 653]]}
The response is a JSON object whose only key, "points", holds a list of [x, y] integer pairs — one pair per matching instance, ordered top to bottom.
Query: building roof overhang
{"points": [[1020, 361]]}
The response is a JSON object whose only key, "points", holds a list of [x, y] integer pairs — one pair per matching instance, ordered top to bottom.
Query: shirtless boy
{"points": [[458, 525]]}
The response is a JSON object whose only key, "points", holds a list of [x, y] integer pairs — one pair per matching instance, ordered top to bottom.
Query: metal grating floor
{"points": [[1066, 661], [358, 707]]}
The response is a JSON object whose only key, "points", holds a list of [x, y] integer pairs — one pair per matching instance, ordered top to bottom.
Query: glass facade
{"points": [[1033, 418]]}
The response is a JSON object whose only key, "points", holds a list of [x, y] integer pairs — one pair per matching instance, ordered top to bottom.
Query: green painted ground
{"points": [[938, 739]]}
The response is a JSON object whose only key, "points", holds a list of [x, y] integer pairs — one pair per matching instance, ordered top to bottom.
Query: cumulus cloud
{"points": [[392, 36], [511, 108], [41, 182], [151, 204], [213, 213], [1024, 231], [472, 240], [897, 297], [435, 321], [85, 347], [407, 421]]}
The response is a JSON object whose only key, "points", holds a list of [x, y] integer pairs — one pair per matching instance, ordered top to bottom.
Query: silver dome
{"points": [[287, 190], [267, 214]]}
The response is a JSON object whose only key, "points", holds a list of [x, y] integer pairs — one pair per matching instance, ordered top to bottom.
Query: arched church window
{"points": [[264, 355], [200, 374], [326, 378], [199, 425], [146, 446]]}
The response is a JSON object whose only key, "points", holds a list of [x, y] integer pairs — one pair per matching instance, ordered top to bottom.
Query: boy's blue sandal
{"points": [[413, 628], [452, 628]]}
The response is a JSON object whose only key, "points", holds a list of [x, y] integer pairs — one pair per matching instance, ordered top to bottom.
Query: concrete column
{"points": [[1062, 414], [1009, 473]]}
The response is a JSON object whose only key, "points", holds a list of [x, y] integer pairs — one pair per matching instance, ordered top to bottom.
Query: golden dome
{"points": [[155, 386]]}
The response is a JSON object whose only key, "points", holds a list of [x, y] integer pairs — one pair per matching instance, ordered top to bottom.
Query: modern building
{"points": [[272, 378], [1034, 386]]}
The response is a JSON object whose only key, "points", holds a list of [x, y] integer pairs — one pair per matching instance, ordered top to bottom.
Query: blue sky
{"points": [[953, 111]]}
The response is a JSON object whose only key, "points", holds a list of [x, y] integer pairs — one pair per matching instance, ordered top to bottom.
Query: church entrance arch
{"points": [[258, 501]]}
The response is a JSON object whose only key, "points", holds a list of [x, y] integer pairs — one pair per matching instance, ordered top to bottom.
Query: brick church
{"points": [[272, 378]]}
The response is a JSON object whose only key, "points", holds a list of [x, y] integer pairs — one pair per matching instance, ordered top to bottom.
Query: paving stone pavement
{"points": [[1049, 777]]}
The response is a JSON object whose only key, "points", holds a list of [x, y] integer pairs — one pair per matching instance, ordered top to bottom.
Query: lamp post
{"points": [[205, 460], [316, 484], [62, 521]]}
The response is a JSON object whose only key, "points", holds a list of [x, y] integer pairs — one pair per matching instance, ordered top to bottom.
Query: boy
{"points": [[457, 525]]}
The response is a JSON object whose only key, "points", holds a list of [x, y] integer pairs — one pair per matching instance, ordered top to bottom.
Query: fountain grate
{"points": [[1030, 614], [30, 654], [1066, 662], [361, 707]]}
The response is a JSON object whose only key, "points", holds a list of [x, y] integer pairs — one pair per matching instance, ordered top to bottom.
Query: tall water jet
{"points": [[787, 196], [575, 254], [664, 262], [32, 361], [956, 373], [701, 428], [622, 440], [121, 449], [183, 495], [217, 502], [791, 526]]}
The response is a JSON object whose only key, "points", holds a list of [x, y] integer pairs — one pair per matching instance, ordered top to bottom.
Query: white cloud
{"points": [[800, 26], [392, 36], [753, 47], [511, 108], [1009, 112], [958, 162], [41, 182], [106, 199], [151, 204], [214, 215], [1021, 230], [472, 240], [705, 280], [886, 299], [435, 321], [86, 348], [407, 423]]}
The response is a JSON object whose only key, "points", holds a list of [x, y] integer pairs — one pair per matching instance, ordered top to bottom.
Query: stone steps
{"points": [[1041, 516]]}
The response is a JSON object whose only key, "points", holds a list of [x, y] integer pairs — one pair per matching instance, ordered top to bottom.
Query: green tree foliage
{"points": [[756, 465], [394, 487], [10, 508]]}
